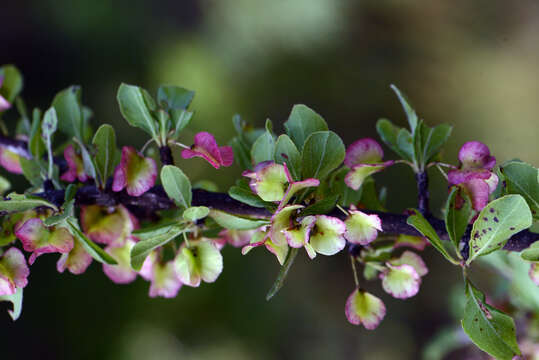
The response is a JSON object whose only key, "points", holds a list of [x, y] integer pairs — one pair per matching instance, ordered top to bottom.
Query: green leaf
{"points": [[12, 84], [174, 97], [67, 104], [135, 105], [410, 112], [180, 119], [50, 123], [301, 123], [388, 133], [432, 139], [105, 142], [35, 143], [405, 143], [264, 147], [287, 152], [323, 152], [242, 155], [31, 171], [523, 179], [5, 185], [176, 185], [245, 195], [369, 196], [20, 203], [323, 206], [195, 213], [59, 218], [457, 220], [235, 222], [496, 223], [425, 228], [92, 248], [142, 249], [531, 253], [283, 273], [16, 300], [490, 329]]}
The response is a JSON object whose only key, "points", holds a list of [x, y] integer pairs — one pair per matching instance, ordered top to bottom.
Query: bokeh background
{"points": [[473, 64]]}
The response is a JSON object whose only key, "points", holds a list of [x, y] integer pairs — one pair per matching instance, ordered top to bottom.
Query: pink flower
{"points": [[4, 104], [206, 147], [364, 158], [75, 166], [135, 173], [474, 174], [105, 225], [235, 238], [39, 239], [120, 250], [76, 261], [13, 271], [164, 279], [365, 309]]}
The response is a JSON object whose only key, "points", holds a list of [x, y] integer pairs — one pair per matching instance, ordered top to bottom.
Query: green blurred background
{"points": [[473, 64]]}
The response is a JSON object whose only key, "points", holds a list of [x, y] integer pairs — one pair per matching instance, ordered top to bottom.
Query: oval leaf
{"points": [[134, 108], [301, 123], [105, 142], [323, 152], [176, 185], [457, 219], [234, 222], [496, 223], [140, 251], [490, 329]]}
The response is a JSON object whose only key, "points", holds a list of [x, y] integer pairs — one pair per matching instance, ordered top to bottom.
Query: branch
{"points": [[146, 205]]}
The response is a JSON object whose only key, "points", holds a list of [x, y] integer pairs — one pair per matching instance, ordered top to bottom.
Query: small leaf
{"points": [[12, 84], [174, 97], [67, 104], [134, 106], [410, 112], [50, 123], [301, 123], [388, 133], [433, 139], [35, 142], [105, 142], [405, 144], [264, 147], [287, 152], [323, 152], [31, 171], [523, 179], [176, 185], [246, 195], [20, 203], [195, 213], [456, 220], [235, 222], [496, 223], [425, 228], [92, 248], [140, 251], [531, 253], [283, 273], [16, 300], [490, 329]]}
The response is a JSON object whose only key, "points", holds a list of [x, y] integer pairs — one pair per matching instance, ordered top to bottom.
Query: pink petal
{"points": [[4, 104], [206, 147], [363, 151], [227, 155], [474, 155], [10, 161], [75, 166], [135, 172], [459, 176], [478, 191], [412, 259], [76, 261], [13, 271], [122, 273], [534, 273], [400, 281], [165, 282], [364, 308]]}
